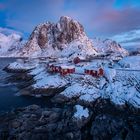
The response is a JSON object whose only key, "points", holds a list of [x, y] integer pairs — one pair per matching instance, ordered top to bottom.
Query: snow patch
{"points": [[81, 112]]}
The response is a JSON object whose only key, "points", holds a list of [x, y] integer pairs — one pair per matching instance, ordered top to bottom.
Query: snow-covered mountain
{"points": [[65, 38], [10, 45], [109, 47]]}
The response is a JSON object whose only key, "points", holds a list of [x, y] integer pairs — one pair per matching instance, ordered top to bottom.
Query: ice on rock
{"points": [[118, 86]]}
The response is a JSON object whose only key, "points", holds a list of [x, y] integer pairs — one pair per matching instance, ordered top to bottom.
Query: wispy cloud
{"points": [[8, 31], [129, 39]]}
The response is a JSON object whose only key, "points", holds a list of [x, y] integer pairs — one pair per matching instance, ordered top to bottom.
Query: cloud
{"points": [[100, 18], [118, 21], [7, 31], [129, 39]]}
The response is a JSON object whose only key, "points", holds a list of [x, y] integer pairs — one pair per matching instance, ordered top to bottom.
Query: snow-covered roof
{"points": [[67, 67]]}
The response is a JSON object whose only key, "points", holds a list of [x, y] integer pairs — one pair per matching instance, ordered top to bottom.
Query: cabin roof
{"points": [[67, 67]]}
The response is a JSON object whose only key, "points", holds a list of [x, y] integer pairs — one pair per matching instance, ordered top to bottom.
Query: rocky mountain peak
{"points": [[70, 29], [65, 31], [57, 36]]}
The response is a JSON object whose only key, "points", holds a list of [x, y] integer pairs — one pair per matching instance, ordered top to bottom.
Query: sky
{"points": [[117, 19]]}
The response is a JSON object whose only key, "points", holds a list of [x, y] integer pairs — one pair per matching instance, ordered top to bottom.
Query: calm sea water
{"points": [[8, 98]]}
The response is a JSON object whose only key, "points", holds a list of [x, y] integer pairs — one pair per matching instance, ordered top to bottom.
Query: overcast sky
{"points": [[101, 18]]}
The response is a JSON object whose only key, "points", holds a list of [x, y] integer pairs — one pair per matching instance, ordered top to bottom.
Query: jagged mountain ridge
{"points": [[64, 38], [110, 47]]}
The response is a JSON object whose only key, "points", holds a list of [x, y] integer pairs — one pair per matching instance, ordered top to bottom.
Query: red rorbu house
{"points": [[79, 59], [76, 60], [54, 68], [63, 70], [67, 70], [95, 72]]}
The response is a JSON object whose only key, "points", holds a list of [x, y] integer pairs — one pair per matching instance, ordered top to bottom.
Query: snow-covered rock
{"points": [[65, 38], [109, 48], [131, 62], [21, 66], [109, 73], [45, 81], [119, 86], [81, 112]]}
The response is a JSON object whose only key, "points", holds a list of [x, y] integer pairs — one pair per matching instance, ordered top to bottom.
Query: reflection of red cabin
{"points": [[95, 73]]}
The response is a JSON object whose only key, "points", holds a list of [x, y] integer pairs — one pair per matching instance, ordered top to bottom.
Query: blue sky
{"points": [[101, 18]]}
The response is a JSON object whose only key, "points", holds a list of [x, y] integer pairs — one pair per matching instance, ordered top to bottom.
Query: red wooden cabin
{"points": [[76, 60], [54, 68], [57, 68], [67, 70], [91, 72], [94, 72], [100, 72]]}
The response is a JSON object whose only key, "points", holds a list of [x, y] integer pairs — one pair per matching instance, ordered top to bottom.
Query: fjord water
{"points": [[8, 90]]}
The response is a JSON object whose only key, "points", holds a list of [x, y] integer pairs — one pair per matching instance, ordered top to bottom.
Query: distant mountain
{"points": [[7, 31], [10, 45], [109, 47]]}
